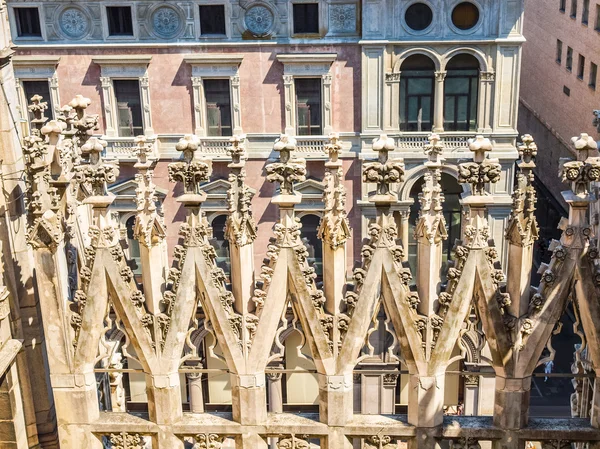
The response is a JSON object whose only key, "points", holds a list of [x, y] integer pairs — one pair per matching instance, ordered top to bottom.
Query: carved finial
{"points": [[38, 108], [596, 121], [84, 124], [142, 149], [585, 169], [288, 170], [481, 171], [190, 172], [384, 172], [431, 224], [240, 227], [149, 228], [334, 228]]}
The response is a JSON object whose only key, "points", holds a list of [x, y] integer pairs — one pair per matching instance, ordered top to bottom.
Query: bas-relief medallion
{"points": [[342, 18], [259, 20], [166, 21], [74, 23]]}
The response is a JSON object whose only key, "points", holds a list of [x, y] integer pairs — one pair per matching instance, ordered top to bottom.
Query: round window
{"points": [[418, 16], [465, 16]]}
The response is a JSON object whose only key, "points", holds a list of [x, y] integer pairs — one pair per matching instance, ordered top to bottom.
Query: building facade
{"points": [[336, 83]]}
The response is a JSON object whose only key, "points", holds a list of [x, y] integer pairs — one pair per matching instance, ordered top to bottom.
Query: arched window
{"points": [[416, 93], [460, 93], [452, 213], [310, 229], [221, 244], [134, 245]]}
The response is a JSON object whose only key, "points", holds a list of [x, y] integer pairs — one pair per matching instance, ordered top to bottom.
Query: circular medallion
{"points": [[418, 16], [465, 16], [259, 20], [166, 21], [74, 23]]}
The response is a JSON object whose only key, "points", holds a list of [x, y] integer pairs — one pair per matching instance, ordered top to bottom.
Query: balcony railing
{"points": [[414, 142], [121, 148]]}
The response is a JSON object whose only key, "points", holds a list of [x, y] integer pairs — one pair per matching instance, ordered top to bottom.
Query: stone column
{"points": [[198, 96], [391, 101], [485, 104], [327, 106], [438, 108], [146, 110], [236, 110], [290, 111], [110, 121], [404, 230], [195, 392], [275, 392], [471, 394], [248, 395], [388, 396], [426, 400], [336, 404], [511, 405]]}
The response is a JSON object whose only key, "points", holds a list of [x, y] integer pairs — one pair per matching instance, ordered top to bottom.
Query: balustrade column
{"points": [[438, 108], [404, 230], [195, 392]]}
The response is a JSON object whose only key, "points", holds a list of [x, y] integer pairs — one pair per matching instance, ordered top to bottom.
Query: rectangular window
{"points": [[562, 6], [573, 9], [585, 13], [306, 18], [212, 19], [119, 21], [28, 22], [597, 25], [558, 51], [569, 63], [580, 67], [593, 75], [41, 88], [460, 99], [416, 100], [308, 101], [218, 107], [129, 108]]}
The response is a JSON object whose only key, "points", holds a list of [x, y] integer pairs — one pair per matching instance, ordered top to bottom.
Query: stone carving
{"points": [[342, 18], [259, 20], [166, 21], [74, 23], [596, 121], [585, 169], [289, 170], [481, 171], [190, 172], [383, 172], [334, 228], [126, 440], [208, 441], [293, 442], [380, 442], [465, 443]]}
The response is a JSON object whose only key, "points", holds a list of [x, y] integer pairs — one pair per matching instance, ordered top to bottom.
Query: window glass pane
{"points": [[306, 18], [212, 19], [119, 21], [28, 22], [593, 75], [41, 88], [461, 92], [308, 100], [129, 107], [218, 107], [309, 232], [221, 244], [134, 246]]}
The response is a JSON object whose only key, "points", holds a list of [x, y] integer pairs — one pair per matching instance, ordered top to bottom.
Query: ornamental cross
{"points": [[288, 170], [482, 170], [384, 172]]}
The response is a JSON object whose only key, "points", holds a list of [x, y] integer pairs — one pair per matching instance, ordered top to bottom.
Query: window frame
{"points": [[562, 6], [573, 12], [585, 12], [321, 19], [225, 21], [14, 22], [597, 24], [106, 25], [559, 51], [569, 59], [307, 65], [212, 66], [123, 67], [580, 67], [35, 68], [593, 76], [320, 83], [405, 94], [469, 96], [116, 102], [206, 104]]}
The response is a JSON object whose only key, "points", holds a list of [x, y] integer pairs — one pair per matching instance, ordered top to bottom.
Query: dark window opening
{"points": [[562, 6], [573, 9], [585, 13], [418, 16], [465, 16], [306, 18], [212, 19], [119, 21], [28, 22], [597, 25], [559, 47], [569, 63], [581, 67], [593, 75], [41, 88], [461, 89], [566, 91], [417, 93], [308, 101], [129, 107], [218, 107], [310, 230], [221, 244], [134, 246]]}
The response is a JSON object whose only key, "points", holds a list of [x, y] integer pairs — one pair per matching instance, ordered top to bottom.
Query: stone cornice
{"points": [[303, 58], [198, 59], [36, 60], [121, 60]]}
